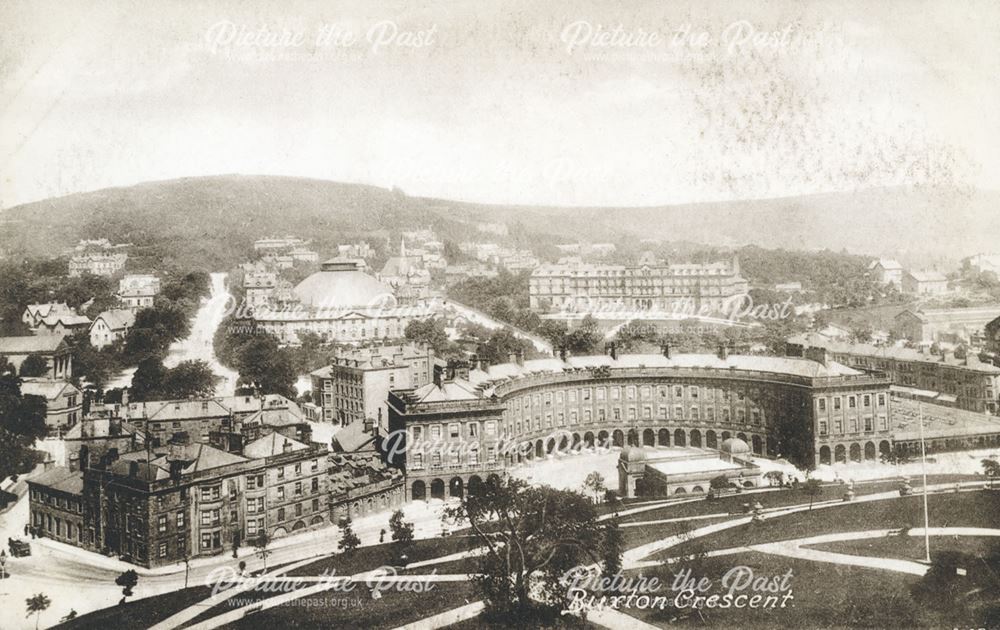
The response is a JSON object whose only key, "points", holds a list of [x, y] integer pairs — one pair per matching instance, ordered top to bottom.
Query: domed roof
{"points": [[340, 285], [734, 446], [633, 454]]}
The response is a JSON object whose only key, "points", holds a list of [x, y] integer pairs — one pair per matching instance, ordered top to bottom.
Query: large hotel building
{"points": [[647, 285], [469, 424]]}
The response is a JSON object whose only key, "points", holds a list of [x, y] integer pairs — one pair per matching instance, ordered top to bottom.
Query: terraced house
{"points": [[185, 500]]}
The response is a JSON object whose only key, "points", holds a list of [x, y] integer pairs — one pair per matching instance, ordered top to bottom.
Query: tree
{"points": [[429, 331], [586, 339], [501, 344], [263, 363], [34, 365], [189, 379], [148, 380], [22, 421], [991, 468], [774, 477], [719, 482], [594, 484], [812, 489], [402, 531], [531, 535], [349, 541], [260, 544], [127, 580], [35, 605]]}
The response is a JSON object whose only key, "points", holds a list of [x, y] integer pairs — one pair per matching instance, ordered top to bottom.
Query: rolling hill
{"points": [[213, 221]]}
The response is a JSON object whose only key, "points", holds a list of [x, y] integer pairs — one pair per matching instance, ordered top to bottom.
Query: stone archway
{"points": [[726, 435], [742, 436], [633, 437], [663, 437], [695, 437], [618, 438], [648, 438], [679, 438], [588, 439], [602, 439], [710, 440], [757, 444], [550, 445], [884, 448], [539, 449], [870, 451], [855, 452], [840, 454], [824, 455], [475, 484], [456, 487], [437, 489], [418, 491], [298, 525]]}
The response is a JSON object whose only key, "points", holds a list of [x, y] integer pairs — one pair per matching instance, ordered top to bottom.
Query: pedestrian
{"points": [[25, 529]]}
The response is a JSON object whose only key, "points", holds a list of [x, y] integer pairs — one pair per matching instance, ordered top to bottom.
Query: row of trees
{"points": [[22, 421]]}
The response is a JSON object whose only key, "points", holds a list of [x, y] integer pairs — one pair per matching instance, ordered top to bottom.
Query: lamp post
{"points": [[923, 470]]}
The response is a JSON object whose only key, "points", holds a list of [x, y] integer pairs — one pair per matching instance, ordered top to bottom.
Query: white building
{"points": [[138, 290], [110, 326]]}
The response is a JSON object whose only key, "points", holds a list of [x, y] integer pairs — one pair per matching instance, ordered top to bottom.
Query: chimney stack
{"points": [[612, 350], [438, 375]]}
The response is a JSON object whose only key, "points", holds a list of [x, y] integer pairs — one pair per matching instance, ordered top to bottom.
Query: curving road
{"points": [[197, 346]]}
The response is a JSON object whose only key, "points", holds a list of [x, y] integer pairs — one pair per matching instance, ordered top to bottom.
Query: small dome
{"points": [[734, 446], [632, 454]]}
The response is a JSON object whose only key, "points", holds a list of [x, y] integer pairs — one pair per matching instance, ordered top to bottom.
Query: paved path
{"points": [[446, 618]]}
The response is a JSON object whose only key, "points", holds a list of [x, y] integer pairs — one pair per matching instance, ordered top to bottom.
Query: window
{"points": [[693, 391], [630, 392], [678, 392], [867, 400], [881, 400], [852, 402], [836, 403], [822, 404], [678, 412], [694, 413], [741, 416], [756, 416], [883, 423], [869, 425], [838, 426], [822, 427], [491, 428], [473, 429], [454, 431], [436, 432], [418, 434], [491, 454], [474, 456], [314, 465], [298, 469], [281, 472], [315, 484], [298, 488], [211, 493], [281, 493], [315, 505], [298, 509], [281, 514], [180, 520], [161, 523], [251, 527], [162, 550]]}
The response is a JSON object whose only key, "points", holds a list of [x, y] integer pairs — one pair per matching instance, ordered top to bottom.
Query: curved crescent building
{"points": [[342, 303], [472, 423]]}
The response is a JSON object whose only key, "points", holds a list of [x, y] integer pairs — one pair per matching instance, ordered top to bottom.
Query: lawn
{"points": [[733, 504], [971, 509], [910, 547], [370, 558], [823, 596], [358, 609], [141, 613]]}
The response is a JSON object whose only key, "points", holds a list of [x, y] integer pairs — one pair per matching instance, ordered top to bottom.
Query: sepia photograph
{"points": [[478, 315]]}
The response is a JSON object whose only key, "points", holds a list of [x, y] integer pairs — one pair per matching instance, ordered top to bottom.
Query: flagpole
{"points": [[923, 469]]}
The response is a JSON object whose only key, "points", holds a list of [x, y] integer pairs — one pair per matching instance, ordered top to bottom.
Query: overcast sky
{"points": [[576, 103]]}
